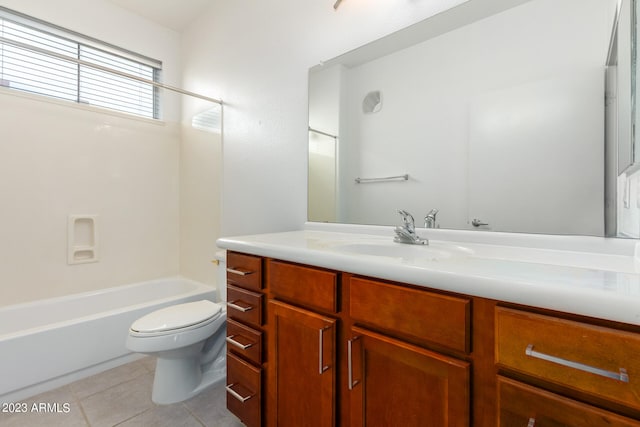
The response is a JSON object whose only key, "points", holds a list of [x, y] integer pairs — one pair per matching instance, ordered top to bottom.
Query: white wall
{"points": [[255, 56], [58, 159]]}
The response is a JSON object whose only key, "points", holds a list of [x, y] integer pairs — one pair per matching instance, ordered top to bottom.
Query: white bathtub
{"points": [[47, 343]]}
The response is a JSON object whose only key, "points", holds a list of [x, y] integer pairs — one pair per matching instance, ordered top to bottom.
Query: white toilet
{"points": [[189, 343]]}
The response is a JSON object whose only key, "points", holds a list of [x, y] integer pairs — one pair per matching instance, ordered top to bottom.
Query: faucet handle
{"points": [[430, 218], [407, 219], [478, 222]]}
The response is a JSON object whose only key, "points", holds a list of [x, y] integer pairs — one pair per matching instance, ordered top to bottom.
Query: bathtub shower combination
{"points": [[48, 343]]}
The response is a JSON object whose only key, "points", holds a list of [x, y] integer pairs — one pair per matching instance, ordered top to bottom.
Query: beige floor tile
{"points": [[149, 363], [104, 380], [119, 403], [210, 407], [175, 415], [72, 419], [230, 421]]}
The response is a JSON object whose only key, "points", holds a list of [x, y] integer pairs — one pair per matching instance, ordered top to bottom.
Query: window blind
{"points": [[59, 65]]}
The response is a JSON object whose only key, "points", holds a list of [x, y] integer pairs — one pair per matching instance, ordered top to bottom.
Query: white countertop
{"points": [[603, 285]]}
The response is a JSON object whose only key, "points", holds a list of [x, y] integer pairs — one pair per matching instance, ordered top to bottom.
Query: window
{"points": [[41, 58]]}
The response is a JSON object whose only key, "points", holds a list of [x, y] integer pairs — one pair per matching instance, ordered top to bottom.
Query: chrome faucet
{"points": [[430, 219], [407, 232]]}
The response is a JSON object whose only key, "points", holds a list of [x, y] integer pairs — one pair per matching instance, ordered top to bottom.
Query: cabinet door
{"points": [[301, 372], [394, 383]]}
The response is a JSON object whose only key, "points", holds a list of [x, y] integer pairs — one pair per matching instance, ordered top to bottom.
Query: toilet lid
{"points": [[177, 317]]}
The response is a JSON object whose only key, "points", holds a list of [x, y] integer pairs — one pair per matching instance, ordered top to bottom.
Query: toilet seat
{"points": [[177, 318]]}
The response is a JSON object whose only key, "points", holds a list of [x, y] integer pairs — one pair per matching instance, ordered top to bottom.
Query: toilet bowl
{"points": [[188, 341]]}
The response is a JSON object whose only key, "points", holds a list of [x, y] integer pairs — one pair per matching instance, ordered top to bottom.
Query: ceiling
{"points": [[174, 14]]}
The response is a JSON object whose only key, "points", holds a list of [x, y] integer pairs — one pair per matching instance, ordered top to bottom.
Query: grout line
{"points": [[130, 379], [108, 388], [79, 403], [194, 415], [132, 417]]}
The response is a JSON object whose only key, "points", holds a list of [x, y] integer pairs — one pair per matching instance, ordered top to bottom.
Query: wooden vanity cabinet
{"points": [[417, 314], [245, 338], [302, 346], [310, 347], [339, 356], [565, 372], [302, 377], [393, 379], [394, 383], [244, 390], [520, 404]]}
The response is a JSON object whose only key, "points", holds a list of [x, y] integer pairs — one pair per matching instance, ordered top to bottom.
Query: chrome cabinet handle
{"points": [[238, 271], [235, 306], [230, 340], [321, 366], [622, 376], [352, 383], [235, 394], [532, 422]]}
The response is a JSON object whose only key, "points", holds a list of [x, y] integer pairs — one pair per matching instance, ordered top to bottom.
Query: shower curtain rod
{"points": [[106, 69]]}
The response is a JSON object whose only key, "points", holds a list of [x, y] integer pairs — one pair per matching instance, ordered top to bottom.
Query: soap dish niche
{"points": [[82, 239]]}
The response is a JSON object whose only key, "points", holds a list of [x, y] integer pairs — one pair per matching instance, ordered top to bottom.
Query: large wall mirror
{"points": [[505, 115]]}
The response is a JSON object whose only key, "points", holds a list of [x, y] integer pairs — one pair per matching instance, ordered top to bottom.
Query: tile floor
{"points": [[122, 397]]}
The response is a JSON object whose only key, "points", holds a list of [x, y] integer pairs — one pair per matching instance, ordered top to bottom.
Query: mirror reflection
{"points": [[502, 121]]}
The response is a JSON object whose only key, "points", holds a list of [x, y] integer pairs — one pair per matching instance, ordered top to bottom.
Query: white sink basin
{"points": [[432, 252]]}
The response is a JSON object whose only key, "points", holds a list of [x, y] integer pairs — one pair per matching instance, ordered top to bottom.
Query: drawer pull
{"points": [[238, 271], [235, 306], [230, 340], [321, 366], [622, 376], [352, 383], [235, 394], [532, 422]]}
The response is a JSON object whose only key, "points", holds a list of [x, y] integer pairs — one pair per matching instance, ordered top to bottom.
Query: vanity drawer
{"points": [[244, 270], [308, 286], [244, 305], [428, 316], [244, 341], [599, 361], [244, 390], [524, 405]]}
